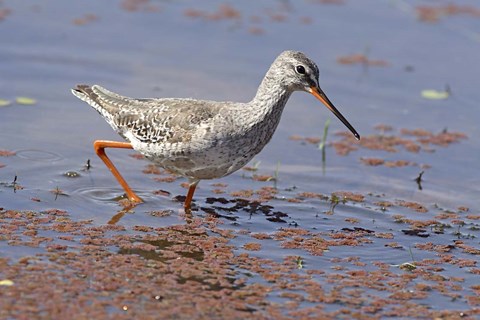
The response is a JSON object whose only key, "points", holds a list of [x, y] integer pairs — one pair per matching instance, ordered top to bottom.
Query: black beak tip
{"points": [[357, 136]]}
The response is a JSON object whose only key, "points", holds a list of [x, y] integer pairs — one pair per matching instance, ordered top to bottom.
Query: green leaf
{"points": [[435, 95], [25, 101], [4, 103], [6, 282]]}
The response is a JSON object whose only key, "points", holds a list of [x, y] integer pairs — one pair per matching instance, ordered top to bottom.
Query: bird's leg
{"points": [[99, 146], [191, 191]]}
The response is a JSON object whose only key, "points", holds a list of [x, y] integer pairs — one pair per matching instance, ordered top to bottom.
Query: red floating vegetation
{"points": [[137, 5], [224, 11], [4, 12], [428, 13], [86, 19], [256, 30], [361, 59], [383, 127], [416, 132], [443, 139], [311, 140], [417, 140], [7, 153], [137, 156], [372, 161], [399, 163], [152, 169], [263, 178], [167, 179], [220, 185], [242, 193], [266, 193], [312, 195], [349, 196], [412, 205], [161, 213], [473, 216], [352, 220], [261, 236], [252, 246], [429, 246], [467, 248]]}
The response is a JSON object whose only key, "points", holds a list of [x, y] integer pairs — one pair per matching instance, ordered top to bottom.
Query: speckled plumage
{"points": [[205, 139]]}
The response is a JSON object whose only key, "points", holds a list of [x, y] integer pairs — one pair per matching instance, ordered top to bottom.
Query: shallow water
{"points": [[167, 53]]}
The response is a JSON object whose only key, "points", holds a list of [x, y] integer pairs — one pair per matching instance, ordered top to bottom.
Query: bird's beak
{"points": [[320, 95]]}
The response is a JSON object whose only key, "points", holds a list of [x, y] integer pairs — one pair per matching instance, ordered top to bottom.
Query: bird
{"points": [[203, 139]]}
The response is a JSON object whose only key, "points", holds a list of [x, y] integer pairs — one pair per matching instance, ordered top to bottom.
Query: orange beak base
{"points": [[320, 95]]}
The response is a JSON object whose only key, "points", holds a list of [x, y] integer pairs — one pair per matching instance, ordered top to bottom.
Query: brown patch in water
{"points": [[139, 5], [4, 12], [431, 13], [86, 19], [361, 59], [417, 140], [7, 153], [349, 196], [413, 205], [252, 246]]}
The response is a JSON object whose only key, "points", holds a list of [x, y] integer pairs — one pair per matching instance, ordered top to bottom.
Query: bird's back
{"points": [[149, 120]]}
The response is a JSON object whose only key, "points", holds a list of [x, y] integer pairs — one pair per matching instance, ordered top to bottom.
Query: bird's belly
{"points": [[207, 157], [209, 163]]}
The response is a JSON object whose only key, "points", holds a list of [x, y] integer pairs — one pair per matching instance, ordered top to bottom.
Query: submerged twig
{"points": [[418, 180], [14, 184]]}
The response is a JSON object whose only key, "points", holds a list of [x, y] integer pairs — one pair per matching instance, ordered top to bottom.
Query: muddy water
{"points": [[165, 49]]}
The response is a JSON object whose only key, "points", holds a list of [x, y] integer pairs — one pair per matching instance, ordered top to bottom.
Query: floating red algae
{"points": [[139, 5], [224, 11], [4, 12], [428, 13], [86, 19], [361, 59], [444, 138], [310, 140], [414, 140], [7, 153], [137, 156], [372, 161], [399, 163], [152, 169], [263, 178], [168, 179], [242, 193], [312, 195], [349, 196], [412, 205], [261, 236], [252, 246], [195, 262]]}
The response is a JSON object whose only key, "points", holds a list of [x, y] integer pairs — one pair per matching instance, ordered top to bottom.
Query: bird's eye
{"points": [[300, 69]]}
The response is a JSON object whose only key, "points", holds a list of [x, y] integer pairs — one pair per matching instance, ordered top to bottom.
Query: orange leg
{"points": [[99, 147], [191, 191]]}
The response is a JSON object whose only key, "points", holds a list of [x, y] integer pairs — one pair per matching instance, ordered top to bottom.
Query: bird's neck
{"points": [[271, 98]]}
